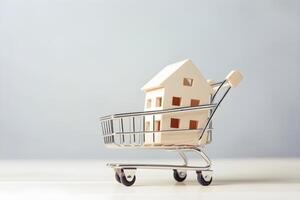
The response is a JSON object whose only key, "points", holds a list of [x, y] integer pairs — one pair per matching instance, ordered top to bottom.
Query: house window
{"points": [[187, 81], [158, 101], [176, 101], [195, 102], [148, 103], [174, 123], [193, 124], [157, 125], [147, 126]]}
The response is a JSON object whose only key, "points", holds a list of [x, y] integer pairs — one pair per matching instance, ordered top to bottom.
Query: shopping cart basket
{"points": [[127, 130]]}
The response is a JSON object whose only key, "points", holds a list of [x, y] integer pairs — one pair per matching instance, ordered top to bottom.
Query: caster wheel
{"points": [[179, 176], [117, 177], [127, 180], [204, 180]]}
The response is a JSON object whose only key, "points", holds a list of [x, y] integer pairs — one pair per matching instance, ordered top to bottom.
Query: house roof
{"points": [[165, 73]]}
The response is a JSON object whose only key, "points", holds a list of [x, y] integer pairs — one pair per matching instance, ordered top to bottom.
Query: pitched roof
{"points": [[163, 75]]}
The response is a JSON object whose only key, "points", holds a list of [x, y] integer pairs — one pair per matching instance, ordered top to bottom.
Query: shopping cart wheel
{"points": [[179, 175], [117, 177], [127, 177], [204, 178]]}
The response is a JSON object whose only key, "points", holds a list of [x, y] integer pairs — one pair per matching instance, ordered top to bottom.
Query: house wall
{"points": [[174, 86], [199, 90], [153, 94], [190, 136]]}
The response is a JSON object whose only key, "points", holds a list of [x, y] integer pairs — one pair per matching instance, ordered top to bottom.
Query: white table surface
{"points": [[91, 179]]}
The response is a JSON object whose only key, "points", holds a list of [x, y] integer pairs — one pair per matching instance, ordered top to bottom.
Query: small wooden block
{"points": [[234, 78]]}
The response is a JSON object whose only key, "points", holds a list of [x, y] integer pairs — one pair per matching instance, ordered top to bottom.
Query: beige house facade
{"points": [[177, 85]]}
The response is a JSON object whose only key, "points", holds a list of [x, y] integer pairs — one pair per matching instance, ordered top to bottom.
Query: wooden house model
{"points": [[177, 85]]}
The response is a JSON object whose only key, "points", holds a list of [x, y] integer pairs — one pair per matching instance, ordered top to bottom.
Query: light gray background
{"points": [[64, 63]]}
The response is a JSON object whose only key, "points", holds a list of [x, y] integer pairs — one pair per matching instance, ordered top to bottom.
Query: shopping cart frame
{"points": [[125, 173]]}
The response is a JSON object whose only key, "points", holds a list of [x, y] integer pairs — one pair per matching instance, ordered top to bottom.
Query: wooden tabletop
{"points": [[91, 179]]}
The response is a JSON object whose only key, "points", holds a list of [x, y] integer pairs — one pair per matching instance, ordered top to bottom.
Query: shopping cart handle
{"points": [[234, 78]]}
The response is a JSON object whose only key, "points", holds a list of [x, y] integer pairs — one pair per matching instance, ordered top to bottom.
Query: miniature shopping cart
{"points": [[127, 130]]}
